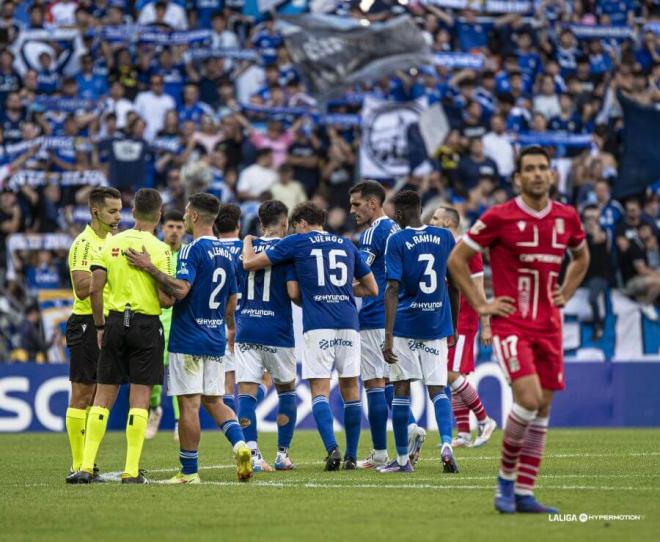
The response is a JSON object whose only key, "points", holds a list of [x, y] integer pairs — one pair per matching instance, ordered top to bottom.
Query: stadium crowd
{"points": [[85, 97]]}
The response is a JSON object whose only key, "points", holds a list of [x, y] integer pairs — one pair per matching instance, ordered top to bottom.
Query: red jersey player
{"points": [[527, 238], [460, 361]]}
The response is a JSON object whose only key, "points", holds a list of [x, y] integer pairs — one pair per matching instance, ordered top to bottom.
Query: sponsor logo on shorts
{"points": [[331, 298], [324, 344], [247, 347], [423, 347]]}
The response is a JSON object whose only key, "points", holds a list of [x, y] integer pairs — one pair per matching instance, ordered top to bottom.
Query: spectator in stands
{"points": [[171, 14], [547, 101], [152, 105], [498, 147], [305, 156], [475, 165], [338, 172], [258, 178], [286, 189], [598, 275], [31, 338]]}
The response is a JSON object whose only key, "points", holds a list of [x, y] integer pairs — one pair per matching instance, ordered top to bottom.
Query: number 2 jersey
{"points": [[526, 250], [417, 259], [325, 265], [265, 313], [198, 320]]}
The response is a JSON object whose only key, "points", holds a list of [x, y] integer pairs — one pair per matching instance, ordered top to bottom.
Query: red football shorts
{"points": [[522, 353], [461, 356]]}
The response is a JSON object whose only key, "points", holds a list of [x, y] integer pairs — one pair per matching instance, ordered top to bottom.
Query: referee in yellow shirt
{"points": [[105, 208], [131, 338]]}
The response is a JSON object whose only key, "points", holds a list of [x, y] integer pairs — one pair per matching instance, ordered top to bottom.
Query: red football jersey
{"points": [[526, 252], [468, 318]]}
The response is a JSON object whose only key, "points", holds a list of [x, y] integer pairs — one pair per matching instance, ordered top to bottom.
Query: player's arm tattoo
{"points": [[168, 284]]}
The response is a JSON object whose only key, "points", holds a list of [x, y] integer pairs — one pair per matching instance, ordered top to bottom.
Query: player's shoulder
{"points": [[562, 210]]}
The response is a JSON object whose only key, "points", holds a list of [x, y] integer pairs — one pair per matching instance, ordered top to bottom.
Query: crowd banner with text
{"points": [[331, 53]]}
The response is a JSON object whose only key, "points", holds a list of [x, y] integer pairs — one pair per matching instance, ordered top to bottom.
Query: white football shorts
{"points": [[325, 349], [252, 359], [229, 360], [424, 360], [372, 363], [193, 375]]}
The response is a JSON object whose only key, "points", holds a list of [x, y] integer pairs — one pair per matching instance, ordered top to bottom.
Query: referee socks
{"points": [[97, 422], [75, 428], [136, 428]]}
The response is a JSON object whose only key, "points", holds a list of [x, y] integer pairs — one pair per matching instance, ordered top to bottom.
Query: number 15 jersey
{"points": [[527, 249], [417, 259], [325, 266]]}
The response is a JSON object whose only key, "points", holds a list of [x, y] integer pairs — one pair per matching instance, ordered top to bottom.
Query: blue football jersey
{"points": [[235, 247], [372, 249], [417, 259], [325, 265], [265, 313], [198, 320]]}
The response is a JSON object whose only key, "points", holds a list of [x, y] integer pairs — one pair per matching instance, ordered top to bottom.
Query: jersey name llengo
{"points": [[372, 248], [417, 259], [325, 265], [265, 313], [198, 320]]}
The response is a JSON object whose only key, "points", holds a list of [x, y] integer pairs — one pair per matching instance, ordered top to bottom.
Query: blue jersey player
{"points": [[367, 200], [227, 226], [326, 266], [205, 290], [418, 320], [264, 339]]}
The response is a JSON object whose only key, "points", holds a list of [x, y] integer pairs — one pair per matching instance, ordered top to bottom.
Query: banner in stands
{"points": [[332, 53], [384, 148], [601, 379]]}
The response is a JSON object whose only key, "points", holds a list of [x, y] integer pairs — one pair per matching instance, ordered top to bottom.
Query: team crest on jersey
{"points": [[521, 225], [559, 226]]}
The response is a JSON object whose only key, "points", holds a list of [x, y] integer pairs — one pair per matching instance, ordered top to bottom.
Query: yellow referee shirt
{"points": [[82, 252], [127, 284]]}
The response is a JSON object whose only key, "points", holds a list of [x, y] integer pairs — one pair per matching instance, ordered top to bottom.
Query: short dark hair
{"points": [[532, 150], [265, 151], [369, 189], [98, 194], [407, 200], [147, 204], [205, 204], [271, 212], [310, 213], [452, 213], [173, 215], [229, 217]]}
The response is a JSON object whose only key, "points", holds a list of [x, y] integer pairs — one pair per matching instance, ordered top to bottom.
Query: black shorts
{"points": [[84, 350], [132, 354]]}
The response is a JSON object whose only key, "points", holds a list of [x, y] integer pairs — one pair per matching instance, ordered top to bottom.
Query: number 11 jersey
{"points": [[417, 259], [264, 316]]}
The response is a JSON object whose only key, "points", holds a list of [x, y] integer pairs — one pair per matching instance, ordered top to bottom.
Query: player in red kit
{"points": [[527, 238], [460, 361]]}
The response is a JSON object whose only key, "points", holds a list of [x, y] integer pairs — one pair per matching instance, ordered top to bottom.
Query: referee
{"points": [[105, 208], [131, 339]]}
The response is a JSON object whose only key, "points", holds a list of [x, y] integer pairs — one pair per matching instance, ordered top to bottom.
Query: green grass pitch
{"points": [[596, 472]]}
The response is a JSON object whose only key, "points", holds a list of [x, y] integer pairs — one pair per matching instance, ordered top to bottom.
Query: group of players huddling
{"points": [[232, 315]]}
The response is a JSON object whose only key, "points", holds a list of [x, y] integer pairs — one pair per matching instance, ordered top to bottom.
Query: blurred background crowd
{"points": [[87, 96]]}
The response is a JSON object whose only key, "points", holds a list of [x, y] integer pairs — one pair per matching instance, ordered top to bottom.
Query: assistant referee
{"points": [[105, 209], [131, 338]]}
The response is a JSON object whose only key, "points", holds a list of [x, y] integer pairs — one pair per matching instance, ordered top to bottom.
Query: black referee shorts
{"points": [[84, 350], [132, 354]]}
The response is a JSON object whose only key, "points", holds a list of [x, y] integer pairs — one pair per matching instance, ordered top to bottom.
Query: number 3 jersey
{"points": [[527, 249], [417, 259], [325, 266], [265, 313], [198, 320]]}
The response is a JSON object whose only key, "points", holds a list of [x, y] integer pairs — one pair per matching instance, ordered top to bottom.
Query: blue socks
{"points": [[261, 392], [389, 395], [230, 401], [377, 407], [400, 414], [287, 415], [247, 416], [443, 416], [411, 417], [323, 418], [352, 419], [233, 432], [188, 459]]}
